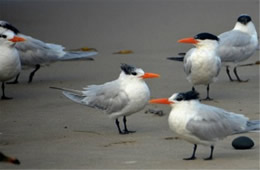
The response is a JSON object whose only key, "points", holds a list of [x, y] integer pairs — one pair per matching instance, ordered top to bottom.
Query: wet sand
{"points": [[45, 130]]}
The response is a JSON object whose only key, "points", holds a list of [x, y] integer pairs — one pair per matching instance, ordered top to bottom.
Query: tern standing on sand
{"points": [[238, 44], [35, 53], [10, 64], [202, 64], [119, 98], [202, 124]]}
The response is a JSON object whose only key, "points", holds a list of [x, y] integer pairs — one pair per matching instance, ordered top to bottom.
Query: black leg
{"points": [[37, 67], [228, 73], [238, 79], [15, 81], [193, 89], [3, 90], [208, 98], [118, 126], [126, 131], [211, 153], [193, 154]]}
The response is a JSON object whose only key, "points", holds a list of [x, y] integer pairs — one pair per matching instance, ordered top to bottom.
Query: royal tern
{"points": [[238, 44], [35, 53], [10, 64], [202, 64], [122, 97], [202, 124], [4, 158]]}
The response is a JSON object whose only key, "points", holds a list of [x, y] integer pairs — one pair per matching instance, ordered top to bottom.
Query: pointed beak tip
{"points": [[17, 39], [189, 40], [150, 75], [160, 101]]}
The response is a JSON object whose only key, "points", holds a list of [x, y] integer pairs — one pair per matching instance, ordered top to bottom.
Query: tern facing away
{"points": [[238, 44], [35, 53], [10, 64], [202, 64], [122, 97], [202, 124]]}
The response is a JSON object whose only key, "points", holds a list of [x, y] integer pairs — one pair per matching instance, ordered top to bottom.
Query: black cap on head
{"points": [[244, 19], [8, 26], [206, 36], [128, 69], [190, 95]]}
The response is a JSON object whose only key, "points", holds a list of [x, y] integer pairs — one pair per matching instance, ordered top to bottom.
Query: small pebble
{"points": [[242, 142]]}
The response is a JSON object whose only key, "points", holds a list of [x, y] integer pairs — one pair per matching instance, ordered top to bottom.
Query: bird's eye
{"points": [[3, 36], [134, 73], [179, 98]]}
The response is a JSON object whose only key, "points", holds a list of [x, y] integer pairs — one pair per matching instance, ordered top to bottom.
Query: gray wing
{"points": [[235, 46], [33, 51], [187, 62], [218, 66], [108, 97], [214, 123]]}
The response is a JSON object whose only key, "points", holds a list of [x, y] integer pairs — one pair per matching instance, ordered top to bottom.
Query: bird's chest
{"points": [[203, 61], [9, 63], [204, 67], [138, 95], [178, 120]]}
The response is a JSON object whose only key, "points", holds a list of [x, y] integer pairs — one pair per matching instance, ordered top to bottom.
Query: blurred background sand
{"points": [[47, 131]]}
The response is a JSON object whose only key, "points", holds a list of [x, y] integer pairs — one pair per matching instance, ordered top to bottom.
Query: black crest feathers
{"points": [[244, 19], [9, 27], [205, 35], [128, 69], [190, 95]]}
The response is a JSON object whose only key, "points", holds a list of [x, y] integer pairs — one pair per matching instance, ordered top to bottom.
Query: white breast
{"points": [[10, 64], [205, 67]]}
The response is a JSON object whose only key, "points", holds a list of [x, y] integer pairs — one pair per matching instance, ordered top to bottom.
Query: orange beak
{"points": [[17, 39], [189, 40], [150, 75], [160, 101]]}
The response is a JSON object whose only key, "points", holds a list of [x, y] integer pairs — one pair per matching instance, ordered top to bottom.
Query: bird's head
{"points": [[244, 19], [244, 23], [4, 26], [8, 34], [9, 38], [201, 39], [136, 73], [177, 98]]}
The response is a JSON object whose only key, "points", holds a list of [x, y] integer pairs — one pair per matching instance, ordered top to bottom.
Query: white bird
{"points": [[238, 44], [35, 53], [10, 64], [202, 64], [122, 97], [202, 124]]}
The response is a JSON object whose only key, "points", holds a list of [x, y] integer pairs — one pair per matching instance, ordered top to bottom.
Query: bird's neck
{"points": [[249, 28], [212, 46]]}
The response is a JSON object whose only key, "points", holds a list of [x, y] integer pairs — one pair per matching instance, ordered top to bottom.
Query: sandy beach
{"points": [[45, 130]]}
